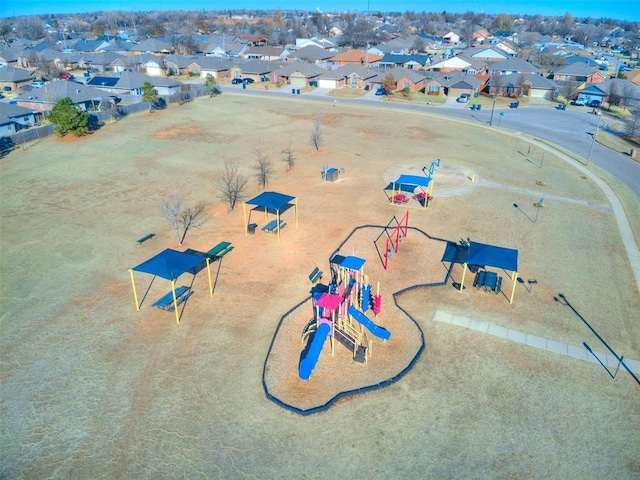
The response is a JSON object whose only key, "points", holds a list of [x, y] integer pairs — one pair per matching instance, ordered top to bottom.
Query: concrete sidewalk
{"points": [[580, 353]]}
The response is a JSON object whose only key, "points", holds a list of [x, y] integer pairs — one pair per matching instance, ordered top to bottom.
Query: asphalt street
{"points": [[571, 129]]}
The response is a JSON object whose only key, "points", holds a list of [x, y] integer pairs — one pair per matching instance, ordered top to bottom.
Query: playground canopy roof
{"points": [[408, 183], [272, 201], [493, 256], [353, 263], [170, 264], [330, 301]]}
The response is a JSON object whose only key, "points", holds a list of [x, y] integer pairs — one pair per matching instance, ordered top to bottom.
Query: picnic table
{"points": [[400, 198], [272, 226], [220, 250], [488, 281], [166, 301]]}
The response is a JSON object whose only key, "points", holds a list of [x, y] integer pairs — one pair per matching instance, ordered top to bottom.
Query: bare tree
{"points": [[569, 89], [633, 125], [316, 134], [288, 157], [263, 167], [230, 184], [181, 217]]}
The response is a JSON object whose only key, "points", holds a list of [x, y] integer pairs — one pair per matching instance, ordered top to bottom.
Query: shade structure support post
{"points": [[296, 204], [278, 223], [246, 226], [464, 272], [209, 275], [513, 286], [135, 294], [175, 301]]}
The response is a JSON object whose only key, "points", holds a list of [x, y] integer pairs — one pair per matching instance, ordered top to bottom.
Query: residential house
{"points": [[450, 38], [323, 43], [85, 45], [152, 45], [268, 54], [313, 54], [488, 54], [9, 56], [355, 57], [100, 62], [410, 62], [148, 63], [177, 64], [450, 64], [215, 66], [512, 66], [256, 70], [579, 73], [297, 74], [14, 78], [411, 80], [131, 83], [455, 83], [598, 91], [43, 99], [14, 118]]}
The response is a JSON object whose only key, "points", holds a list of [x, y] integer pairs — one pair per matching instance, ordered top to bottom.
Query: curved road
{"points": [[571, 129]]}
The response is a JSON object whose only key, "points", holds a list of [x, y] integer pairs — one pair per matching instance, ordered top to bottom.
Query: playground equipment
{"points": [[392, 242], [339, 314]]}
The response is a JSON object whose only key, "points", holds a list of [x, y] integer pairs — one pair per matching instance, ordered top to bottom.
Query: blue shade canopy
{"points": [[415, 180], [408, 183], [271, 201], [490, 255], [353, 263], [170, 264]]}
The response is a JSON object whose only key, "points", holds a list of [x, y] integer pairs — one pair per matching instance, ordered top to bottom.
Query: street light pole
{"points": [[492, 109], [593, 141]]}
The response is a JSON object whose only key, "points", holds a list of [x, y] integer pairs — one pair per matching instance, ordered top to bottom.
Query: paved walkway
{"points": [[580, 353]]}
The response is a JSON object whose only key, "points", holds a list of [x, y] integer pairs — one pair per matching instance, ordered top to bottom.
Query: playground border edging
{"points": [[368, 388]]}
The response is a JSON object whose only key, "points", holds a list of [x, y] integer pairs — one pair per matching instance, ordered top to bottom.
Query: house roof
{"points": [[313, 52], [356, 56], [404, 59], [453, 63], [514, 64], [256, 67], [307, 69], [576, 69], [13, 74], [58, 89], [9, 111]]}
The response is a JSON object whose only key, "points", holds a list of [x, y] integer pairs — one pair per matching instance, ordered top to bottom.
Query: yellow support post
{"points": [[296, 203], [246, 228], [464, 271], [209, 274], [513, 287], [135, 294], [175, 301]]}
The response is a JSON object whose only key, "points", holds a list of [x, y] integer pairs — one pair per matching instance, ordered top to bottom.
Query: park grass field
{"points": [[93, 389]]}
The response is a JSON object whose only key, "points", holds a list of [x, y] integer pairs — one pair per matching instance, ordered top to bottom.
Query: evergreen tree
{"points": [[69, 118]]}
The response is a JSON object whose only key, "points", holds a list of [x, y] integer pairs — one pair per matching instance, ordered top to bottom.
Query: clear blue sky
{"points": [[618, 9]]}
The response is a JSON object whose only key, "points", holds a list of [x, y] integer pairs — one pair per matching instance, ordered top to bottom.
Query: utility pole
{"points": [[492, 109], [593, 140]]}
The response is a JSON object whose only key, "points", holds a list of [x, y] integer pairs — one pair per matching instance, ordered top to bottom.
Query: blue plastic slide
{"points": [[376, 330], [308, 363]]}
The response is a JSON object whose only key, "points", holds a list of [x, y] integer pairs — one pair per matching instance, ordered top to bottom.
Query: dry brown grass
{"points": [[92, 388]]}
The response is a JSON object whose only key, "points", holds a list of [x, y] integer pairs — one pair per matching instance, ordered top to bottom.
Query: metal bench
{"points": [[145, 238], [315, 276], [166, 301]]}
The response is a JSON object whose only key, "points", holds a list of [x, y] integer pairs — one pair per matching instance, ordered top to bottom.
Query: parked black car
{"points": [[236, 81]]}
